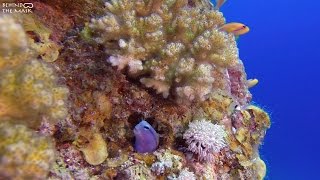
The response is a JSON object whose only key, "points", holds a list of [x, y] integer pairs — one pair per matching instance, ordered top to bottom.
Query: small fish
{"points": [[219, 3], [235, 28], [252, 82], [147, 139]]}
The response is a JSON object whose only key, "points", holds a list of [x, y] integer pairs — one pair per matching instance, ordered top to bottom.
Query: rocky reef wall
{"points": [[77, 77]]}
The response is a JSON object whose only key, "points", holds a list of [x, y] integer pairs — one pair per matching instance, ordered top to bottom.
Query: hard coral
{"points": [[12, 37], [39, 41], [13, 43], [168, 45], [29, 88], [218, 105], [253, 123], [249, 129], [205, 139], [23, 153], [167, 161], [71, 162], [136, 172], [185, 174]]}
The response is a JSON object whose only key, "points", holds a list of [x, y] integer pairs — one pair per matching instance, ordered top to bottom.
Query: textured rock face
{"points": [[85, 84]]}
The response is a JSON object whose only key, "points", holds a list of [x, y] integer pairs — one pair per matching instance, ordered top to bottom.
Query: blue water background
{"points": [[282, 50]]}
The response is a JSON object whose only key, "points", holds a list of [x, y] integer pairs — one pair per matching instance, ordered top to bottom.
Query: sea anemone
{"points": [[205, 139]]}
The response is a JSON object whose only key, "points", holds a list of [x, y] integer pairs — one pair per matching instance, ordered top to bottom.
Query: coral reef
{"points": [[14, 36], [39, 40], [13, 43], [171, 47], [76, 78], [29, 89], [32, 90], [29, 95], [252, 124], [23, 153], [167, 161], [69, 164], [137, 172], [185, 174]]}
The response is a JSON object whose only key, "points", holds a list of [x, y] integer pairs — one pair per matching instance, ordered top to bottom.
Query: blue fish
{"points": [[147, 139]]}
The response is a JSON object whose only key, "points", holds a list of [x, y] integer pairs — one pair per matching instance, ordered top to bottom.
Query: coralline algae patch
{"points": [[80, 88]]}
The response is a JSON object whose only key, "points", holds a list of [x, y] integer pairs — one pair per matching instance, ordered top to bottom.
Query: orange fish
{"points": [[219, 3], [235, 28], [252, 82]]}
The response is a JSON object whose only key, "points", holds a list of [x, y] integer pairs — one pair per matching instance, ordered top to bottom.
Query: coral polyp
{"points": [[169, 46]]}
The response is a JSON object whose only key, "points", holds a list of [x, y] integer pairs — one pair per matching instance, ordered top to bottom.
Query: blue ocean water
{"points": [[282, 50]]}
